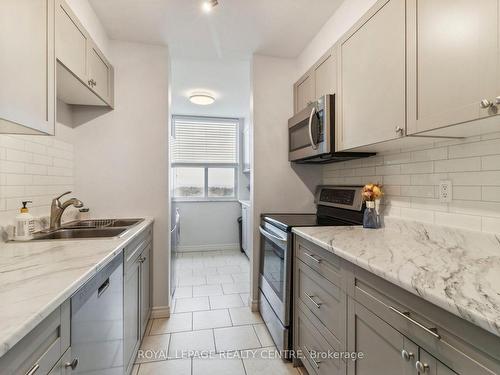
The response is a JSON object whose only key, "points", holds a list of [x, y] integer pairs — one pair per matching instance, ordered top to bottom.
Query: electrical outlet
{"points": [[445, 191]]}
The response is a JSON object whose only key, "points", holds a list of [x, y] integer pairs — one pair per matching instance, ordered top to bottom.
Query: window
{"points": [[204, 158]]}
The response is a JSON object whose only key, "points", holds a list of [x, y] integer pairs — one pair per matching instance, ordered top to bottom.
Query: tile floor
{"points": [[210, 316]]}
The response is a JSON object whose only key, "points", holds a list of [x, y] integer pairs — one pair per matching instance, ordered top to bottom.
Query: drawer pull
{"points": [[317, 260], [311, 298], [432, 331], [406, 355], [316, 363], [73, 364], [422, 368], [33, 370]]}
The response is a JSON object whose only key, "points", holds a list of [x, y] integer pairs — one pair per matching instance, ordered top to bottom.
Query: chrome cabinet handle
{"points": [[485, 104], [399, 130], [313, 144], [317, 260], [311, 298], [432, 331], [407, 356], [316, 363], [73, 364], [422, 367], [33, 370]]}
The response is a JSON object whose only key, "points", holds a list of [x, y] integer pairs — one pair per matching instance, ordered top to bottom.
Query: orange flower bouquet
{"points": [[372, 193]]}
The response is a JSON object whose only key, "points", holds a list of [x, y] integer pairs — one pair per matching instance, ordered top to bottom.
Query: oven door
{"points": [[309, 131], [275, 271]]}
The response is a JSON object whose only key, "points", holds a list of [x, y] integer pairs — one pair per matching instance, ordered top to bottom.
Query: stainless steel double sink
{"points": [[81, 229]]}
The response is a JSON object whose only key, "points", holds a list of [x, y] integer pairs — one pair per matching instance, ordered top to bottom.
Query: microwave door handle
{"points": [[311, 138], [265, 233]]}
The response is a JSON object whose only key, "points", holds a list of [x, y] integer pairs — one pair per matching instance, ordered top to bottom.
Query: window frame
{"points": [[206, 166]]}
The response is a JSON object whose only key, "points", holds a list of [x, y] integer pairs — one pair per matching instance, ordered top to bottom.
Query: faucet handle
{"points": [[62, 195]]}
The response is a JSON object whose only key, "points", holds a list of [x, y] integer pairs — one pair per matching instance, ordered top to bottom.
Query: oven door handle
{"points": [[311, 138], [265, 233]]}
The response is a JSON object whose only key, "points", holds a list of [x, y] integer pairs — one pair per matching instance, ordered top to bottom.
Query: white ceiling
{"points": [[234, 29], [228, 81]]}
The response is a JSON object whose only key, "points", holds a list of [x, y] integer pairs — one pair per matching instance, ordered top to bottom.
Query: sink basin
{"points": [[102, 223], [79, 233]]}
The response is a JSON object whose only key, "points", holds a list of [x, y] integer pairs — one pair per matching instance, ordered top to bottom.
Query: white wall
{"points": [[342, 20], [122, 155], [276, 185], [207, 226]]}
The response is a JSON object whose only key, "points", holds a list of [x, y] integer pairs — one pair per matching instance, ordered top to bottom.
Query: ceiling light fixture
{"points": [[208, 5], [201, 99]]}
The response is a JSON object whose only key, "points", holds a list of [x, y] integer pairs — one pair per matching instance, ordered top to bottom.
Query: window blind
{"points": [[205, 140]]}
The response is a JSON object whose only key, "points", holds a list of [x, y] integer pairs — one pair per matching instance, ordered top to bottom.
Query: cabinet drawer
{"points": [[137, 246], [326, 264], [324, 299], [42, 347], [317, 354]]}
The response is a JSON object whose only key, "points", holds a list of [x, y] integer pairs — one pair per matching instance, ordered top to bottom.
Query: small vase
{"points": [[370, 219]]}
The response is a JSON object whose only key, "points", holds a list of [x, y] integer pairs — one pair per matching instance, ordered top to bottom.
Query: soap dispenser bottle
{"points": [[25, 225]]}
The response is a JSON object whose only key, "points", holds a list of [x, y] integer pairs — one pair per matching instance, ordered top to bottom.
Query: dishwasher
{"points": [[97, 322]]}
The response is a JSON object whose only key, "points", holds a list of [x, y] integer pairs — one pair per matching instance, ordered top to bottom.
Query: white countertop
{"points": [[245, 203], [455, 269], [37, 277]]}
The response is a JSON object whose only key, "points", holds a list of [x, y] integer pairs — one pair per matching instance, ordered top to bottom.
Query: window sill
{"points": [[202, 200]]}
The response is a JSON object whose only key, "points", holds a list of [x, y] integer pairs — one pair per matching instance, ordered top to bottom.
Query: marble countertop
{"points": [[457, 270], [37, 277]]}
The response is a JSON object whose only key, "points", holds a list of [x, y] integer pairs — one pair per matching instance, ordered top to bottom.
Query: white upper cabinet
{"points": [[71, 41], [452, 62], [27, 67], [100, 73], [84, 75], [325, 75], [304, 91], [372, 101]]}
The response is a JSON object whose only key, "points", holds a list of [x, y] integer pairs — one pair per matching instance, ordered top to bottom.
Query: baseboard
{"points": [[214, 247], [254, 304], [160, 312]]}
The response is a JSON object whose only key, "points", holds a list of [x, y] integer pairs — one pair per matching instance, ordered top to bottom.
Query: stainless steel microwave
{"points": [[311, 135]]}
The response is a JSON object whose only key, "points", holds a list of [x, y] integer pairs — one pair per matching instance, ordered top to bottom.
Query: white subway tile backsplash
{"points": [[458, 165], [420, 167], [33, 168], [411, 181], [458, 221]]}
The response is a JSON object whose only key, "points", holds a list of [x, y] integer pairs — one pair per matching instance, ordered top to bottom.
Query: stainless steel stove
{"points": [[336, 206]]}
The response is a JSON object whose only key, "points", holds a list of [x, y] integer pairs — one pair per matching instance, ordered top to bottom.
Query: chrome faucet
{"points": [[57, 209]]}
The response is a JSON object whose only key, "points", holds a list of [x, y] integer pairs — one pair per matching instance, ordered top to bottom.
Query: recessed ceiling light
{"points": [[208, 5], [201, 99]]}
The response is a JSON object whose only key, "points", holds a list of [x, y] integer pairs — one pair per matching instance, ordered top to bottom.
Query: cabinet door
{"points": [[71, 41], [452, 61], [27, 66], [99, 73], [325, 76], [304, 92], [373, 103], [246, 149], [145, 288], [131, 313], [381, 345], [432, 366]]}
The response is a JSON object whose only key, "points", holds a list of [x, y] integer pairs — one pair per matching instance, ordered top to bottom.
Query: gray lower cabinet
{"points": [[137, 294], [339, 307], [380, 345], [40, 350], [63, 367]]}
